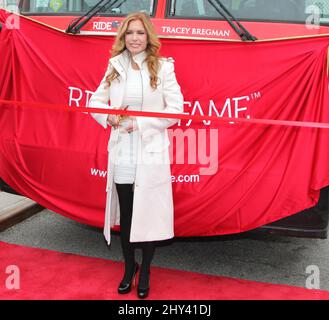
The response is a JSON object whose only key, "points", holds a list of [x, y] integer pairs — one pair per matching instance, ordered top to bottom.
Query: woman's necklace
{"points": [[134, 65]]}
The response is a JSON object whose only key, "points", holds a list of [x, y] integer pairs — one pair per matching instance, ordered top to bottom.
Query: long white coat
{"points": [[153, 216]]}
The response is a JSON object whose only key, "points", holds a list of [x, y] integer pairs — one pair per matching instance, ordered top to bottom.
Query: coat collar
{"points": [[140, 58], [121, 61]]}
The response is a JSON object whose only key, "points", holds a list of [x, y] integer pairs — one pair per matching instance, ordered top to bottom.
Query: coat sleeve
{"points": [[100, 99], [173, 101]]}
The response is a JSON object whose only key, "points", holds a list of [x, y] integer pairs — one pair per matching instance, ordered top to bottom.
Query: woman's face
{"points": [[136, 37]]}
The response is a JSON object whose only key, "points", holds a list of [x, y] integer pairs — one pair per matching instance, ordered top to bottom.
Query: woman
{"points": [[139, 193]]}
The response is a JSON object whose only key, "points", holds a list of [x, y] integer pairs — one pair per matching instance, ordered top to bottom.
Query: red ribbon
{"points": [[180, 116]]}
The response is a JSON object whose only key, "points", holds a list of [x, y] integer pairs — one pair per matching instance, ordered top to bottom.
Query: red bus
{"points": [[187, 18], [223, 21]]}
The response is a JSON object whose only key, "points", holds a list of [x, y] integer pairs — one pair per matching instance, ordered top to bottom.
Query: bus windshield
{"points": [[120, 7], [253, 10]]}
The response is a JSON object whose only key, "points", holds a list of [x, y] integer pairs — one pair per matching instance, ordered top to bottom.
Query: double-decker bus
{"points": [[265, 19], [226, 21]]}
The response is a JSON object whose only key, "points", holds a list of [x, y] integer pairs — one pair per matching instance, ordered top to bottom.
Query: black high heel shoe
{"points": [[125, 287], [144, 292]]}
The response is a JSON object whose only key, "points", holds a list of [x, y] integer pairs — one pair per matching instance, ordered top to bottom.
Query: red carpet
{"points": [[50, 275]]}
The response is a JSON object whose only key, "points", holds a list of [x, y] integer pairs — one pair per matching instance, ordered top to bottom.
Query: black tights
{"points": [[126, 196]]}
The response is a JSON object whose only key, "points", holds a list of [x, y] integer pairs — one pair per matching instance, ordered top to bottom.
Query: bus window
{"points": [[8, 4], [121, 7], [254, 10]]}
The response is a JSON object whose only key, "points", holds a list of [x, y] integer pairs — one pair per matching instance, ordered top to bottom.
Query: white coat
{"points": [[153, 216]]}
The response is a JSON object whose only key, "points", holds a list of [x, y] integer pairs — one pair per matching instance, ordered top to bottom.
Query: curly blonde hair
{"points": [[152, 49]]}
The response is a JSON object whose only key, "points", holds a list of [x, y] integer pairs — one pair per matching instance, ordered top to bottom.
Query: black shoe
{"points": [[125, 287], [144, 292]]}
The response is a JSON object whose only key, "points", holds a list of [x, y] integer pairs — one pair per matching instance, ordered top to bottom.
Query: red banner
{"points": [[227, 177]]}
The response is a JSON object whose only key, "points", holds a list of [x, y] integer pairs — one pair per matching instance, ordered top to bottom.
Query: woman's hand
{"points": [[113, 120], [132, 125]]}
